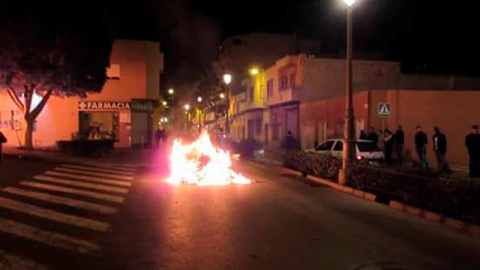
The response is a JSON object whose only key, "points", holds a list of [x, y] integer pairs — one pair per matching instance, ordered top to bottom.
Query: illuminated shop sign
{"points": [[104, 105], [144, 105]]}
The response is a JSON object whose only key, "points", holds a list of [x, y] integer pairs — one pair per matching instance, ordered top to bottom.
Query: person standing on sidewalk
{"points": [[373, 136], [3, 140], [388, 142], [421, 142], [472, 142], [399, 144], [440, 150]]}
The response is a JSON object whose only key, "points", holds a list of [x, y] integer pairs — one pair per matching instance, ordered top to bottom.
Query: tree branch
{"points": [[16, 99], [42, 103]]}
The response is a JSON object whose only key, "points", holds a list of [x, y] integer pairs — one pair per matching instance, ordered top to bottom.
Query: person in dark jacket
{"points": [[363, 135], [373, 136], [3, 140], [388, 142], [421, 142], [472, 142], [399, 144], [440, 150]]}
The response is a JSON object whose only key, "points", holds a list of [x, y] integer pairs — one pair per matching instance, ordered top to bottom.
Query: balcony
{"points": [[284, 95]]}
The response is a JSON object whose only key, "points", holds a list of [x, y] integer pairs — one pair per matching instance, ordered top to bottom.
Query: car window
{"points": [[325, 146], [338, 146], [367, 147]]}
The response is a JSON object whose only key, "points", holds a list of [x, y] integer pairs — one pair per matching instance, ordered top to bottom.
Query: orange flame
{"points": [[203, 164]]}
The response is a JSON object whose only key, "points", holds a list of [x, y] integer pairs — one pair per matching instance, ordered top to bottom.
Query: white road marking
{"points": [[115, 167], [97, 169], [107, 175], [90, 179], [81, 184], [91, 194], [61, 200], [53, 215], [46, 237], [14, 262]]}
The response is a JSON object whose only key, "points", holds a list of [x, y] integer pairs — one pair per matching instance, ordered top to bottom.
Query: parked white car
{"points": [[364, 149]]}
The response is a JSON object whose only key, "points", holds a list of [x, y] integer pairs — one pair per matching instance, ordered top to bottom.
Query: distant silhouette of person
{"points": [[363, 135], [164, 136], [373, 136], [158, 137], [3, 140], [388, 142], [421, 142], [472, 142], [399, 144], [440, 150]]}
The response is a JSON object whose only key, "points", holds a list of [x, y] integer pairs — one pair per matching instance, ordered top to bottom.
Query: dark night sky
{"points": [[438, 35]]}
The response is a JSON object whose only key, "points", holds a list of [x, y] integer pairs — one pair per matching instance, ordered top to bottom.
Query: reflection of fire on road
{"points": [[203, 164]]}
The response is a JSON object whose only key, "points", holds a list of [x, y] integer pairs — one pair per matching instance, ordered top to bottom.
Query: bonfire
{"points": [[201, 163]]}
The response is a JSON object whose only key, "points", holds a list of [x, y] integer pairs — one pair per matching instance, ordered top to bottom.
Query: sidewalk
{"points": [[124, 157]]}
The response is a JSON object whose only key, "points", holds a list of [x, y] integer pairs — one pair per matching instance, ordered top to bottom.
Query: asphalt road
{"points": [[14, 169], [64, 216], [276, 223]]}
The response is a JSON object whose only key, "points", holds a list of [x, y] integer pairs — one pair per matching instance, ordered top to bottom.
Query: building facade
{"points": [[306, 95], [126, 109]]}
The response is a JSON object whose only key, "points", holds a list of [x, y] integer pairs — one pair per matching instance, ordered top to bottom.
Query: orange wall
{"points": [[453, 111], [59, 119]]}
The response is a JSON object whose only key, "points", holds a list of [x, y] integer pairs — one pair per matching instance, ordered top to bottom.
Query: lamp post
{"points": [[227, 79], [171, 91], [349, 132]]}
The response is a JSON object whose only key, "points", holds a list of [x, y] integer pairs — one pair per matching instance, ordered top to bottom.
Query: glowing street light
{"points": [[349, 2], [254, 71], [227, 79], [171, 91], [222, 95], [199, 99], [164, 103], [187, 107]]}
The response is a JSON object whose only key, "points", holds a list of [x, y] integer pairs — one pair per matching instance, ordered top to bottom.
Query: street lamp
{"points": [[254, 71], [227, 78], [171, 91], [222, 95], [199, 99], [164, 103], [187, 107], [349, 132]]}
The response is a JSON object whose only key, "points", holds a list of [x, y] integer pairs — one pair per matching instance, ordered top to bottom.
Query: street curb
{"points": [[345, 189], [397, 205], [457, 225]]}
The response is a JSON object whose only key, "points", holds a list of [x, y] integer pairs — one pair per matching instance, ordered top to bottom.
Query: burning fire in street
{"points": [[203, 164]]}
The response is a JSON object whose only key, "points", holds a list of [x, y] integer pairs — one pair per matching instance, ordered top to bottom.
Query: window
{"points": [[113, 72], [292, 80], [283, 83], [269, 89], [250, 94], [258, 127], [275, 132], [327, 146], [338, 146], [367, 146]]}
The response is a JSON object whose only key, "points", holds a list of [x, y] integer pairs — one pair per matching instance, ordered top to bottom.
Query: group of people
{"points": [[161, 137], [393, 145]]}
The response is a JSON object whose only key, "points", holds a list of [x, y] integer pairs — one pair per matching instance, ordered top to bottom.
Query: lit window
{"points": [[113, 72]]}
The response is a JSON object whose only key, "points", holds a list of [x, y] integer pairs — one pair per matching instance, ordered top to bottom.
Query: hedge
{"points": [[456, 198]]}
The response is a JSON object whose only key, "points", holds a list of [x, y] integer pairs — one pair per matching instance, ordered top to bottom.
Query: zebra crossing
{"points": [[77, 198]]}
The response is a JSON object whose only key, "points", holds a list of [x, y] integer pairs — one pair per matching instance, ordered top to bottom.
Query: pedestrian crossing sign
{"points": [[383, 109]]}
